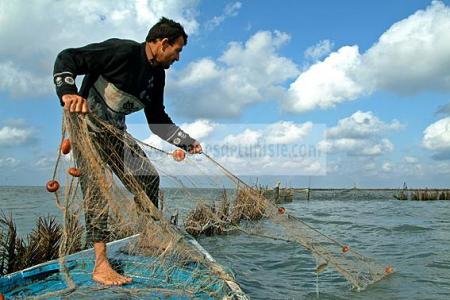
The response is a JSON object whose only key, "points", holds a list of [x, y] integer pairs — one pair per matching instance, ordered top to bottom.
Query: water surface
{"points": [[412, 236]]}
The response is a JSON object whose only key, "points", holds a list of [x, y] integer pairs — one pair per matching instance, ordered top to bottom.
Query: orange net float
{"points": [[65, 146], [178, 155], [74, 172], [52, 186], [281, 210], [345, 249], [389, 269], [2, 297]]}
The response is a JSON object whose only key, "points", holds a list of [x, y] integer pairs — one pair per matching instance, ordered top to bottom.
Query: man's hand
{"points": [[75, 103], [196, 148]]}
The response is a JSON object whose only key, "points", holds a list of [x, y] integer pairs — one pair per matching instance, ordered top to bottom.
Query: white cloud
{"points": [[230, 10], [149, 12], [49, 26], [319, 50], [413, 54], [410, 57], [200, 72], [19, 81], [326, 84], [223, 87], [361, 125], [199, 129], [282, 132], [285, 132], [360, 135], [437, 135], [13, 136], [247, 137], [437, 138], [155, 141], [357, 147], [273, 149], [410, 159], [8, 162], [47, 162], [268, 165], [387, 167]]}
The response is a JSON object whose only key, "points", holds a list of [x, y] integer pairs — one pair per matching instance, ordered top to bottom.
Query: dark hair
{"points": [[166, 28]]}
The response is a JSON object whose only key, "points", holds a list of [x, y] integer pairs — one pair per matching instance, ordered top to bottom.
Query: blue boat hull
{"points": [[47, 282]]}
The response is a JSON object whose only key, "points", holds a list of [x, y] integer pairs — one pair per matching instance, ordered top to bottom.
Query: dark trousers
{"points": [[130, 164]]}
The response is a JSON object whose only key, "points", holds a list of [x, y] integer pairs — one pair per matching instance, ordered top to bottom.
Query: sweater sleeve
{"points": [[91, 59], [161, 124]]}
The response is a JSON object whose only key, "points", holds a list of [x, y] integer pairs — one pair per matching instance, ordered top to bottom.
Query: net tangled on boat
{"points": [[103, 179]]}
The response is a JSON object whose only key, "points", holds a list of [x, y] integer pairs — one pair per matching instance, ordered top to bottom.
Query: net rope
{"points": [[113, 184]]}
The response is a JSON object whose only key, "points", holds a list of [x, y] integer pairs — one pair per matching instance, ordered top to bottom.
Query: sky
{"points": [[336, 93]]}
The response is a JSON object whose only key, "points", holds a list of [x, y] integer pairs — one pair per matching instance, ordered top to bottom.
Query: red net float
{"points": [[65, 146], [178, 155], [74, 172], [52, 186]]}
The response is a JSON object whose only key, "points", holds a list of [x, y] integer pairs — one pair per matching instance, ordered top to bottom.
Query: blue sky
{"points": [[366, 82]]}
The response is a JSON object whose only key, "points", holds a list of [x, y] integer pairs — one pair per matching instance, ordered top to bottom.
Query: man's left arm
{"points": [[162, 125]]}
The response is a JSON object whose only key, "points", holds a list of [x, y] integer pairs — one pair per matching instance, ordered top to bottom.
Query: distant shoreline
{"points": [[292, 188], [374, 189]]}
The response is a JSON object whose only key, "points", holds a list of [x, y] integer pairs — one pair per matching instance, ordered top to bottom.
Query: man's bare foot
{"points": [[105, 274]]}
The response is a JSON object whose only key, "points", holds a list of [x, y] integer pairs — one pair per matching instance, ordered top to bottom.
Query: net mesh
{"points": [[119, 187]]}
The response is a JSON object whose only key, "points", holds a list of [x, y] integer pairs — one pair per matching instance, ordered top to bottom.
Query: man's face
{"points": [[168, 54]]}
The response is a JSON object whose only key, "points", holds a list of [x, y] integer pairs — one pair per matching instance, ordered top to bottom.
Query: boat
{"points": [[47, 281]]}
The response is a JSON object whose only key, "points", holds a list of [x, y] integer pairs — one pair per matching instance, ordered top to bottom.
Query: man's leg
{"points": [[138, 175], [142, 179], [96, 217]]}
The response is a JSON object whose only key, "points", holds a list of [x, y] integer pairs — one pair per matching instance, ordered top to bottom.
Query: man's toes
{"points": [[124, 280], [107, 281], [116, 281]]}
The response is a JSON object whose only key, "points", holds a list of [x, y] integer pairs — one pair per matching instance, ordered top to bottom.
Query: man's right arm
{"points": [[93, 59]]}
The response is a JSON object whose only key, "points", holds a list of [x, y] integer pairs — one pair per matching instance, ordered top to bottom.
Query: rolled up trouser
{"points": [[131, 165]]}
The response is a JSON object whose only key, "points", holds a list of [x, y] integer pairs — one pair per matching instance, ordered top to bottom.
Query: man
{"points": [[121, 77]]}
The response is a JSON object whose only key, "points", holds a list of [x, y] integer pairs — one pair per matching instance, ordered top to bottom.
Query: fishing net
{"points": [[123, 189]]}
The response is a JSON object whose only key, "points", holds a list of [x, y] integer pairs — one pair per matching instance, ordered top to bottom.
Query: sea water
{"points": [[412, 236]]}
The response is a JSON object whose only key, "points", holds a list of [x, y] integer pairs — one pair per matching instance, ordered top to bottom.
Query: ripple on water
{"points": [[410, 228], [420, 255], [440, 265]]}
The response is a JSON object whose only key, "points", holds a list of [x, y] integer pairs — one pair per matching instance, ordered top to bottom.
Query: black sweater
{"points": [[118, 72]]}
